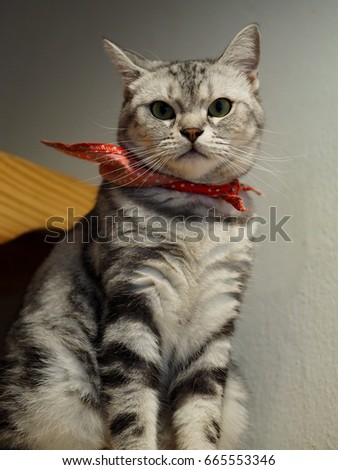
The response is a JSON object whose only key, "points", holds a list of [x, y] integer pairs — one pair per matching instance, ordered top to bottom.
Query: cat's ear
{"points": [[244, 51], [130, 65]]}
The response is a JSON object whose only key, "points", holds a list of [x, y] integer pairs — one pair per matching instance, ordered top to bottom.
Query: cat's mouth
{"points": [[191, 154], [186, 158], [192, 165]]}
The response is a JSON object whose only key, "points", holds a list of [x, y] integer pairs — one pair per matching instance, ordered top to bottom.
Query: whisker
{"points": [[106, 127], [273, 132], [157, 140], [259, 140], [266, 155], [261, 157], [136, 164], [257, 165], [152, 170], [273, 172], [253, 175]]}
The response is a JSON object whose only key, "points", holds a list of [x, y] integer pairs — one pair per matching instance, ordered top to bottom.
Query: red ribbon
{"points": [[117, 165]]}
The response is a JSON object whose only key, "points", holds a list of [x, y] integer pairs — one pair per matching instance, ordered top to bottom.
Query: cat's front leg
{"points": [[129, 360], [197, 397]]}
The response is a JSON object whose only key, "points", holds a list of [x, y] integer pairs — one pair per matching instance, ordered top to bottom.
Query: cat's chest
{"points": [[197, 284]]}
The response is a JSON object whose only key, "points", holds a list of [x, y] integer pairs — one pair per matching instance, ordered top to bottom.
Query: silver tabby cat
{"points": [[124, 338]]}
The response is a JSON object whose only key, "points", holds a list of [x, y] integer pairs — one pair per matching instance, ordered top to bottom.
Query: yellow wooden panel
{"points": [[30, 194]]}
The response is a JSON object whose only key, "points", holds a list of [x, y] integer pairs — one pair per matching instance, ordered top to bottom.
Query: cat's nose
{"points": [[192, 133]]}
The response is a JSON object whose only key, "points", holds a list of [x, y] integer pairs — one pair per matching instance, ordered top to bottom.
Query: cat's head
{"points": [[198, 120]]}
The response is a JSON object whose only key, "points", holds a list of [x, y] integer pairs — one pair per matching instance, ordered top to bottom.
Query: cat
{"points": [[124, 339]]}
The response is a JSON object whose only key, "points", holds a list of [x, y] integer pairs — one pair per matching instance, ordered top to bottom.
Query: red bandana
{"points": [[117, 165]]}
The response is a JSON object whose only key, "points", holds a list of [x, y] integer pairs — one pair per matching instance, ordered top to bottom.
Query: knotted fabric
{"points": [[119, 166]]}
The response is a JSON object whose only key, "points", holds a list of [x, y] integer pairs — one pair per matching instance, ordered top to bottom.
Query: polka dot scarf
{"points": [[119, 167]]}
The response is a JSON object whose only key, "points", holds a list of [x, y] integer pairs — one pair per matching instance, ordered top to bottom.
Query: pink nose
{"points": [[192, 133]]}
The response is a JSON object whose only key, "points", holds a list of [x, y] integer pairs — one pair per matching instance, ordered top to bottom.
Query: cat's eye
{"points": [[219, 108], [162, 110]]}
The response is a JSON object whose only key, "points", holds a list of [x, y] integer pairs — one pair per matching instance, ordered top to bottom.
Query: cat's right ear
{"points": [[128, 64]]}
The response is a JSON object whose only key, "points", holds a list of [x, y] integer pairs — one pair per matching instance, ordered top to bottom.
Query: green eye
{"points": [[219, 108], [162, 110]]}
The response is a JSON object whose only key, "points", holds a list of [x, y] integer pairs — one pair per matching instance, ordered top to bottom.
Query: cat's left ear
{"points": [[243, 52], [129, 65]]}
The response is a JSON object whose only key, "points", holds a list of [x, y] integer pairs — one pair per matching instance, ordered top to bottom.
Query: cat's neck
{"points": [[170, 203]]}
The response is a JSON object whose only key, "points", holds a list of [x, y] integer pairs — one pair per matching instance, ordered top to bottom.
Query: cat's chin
{"points": [[192, 155], [192, 166], [195, 167], [197, 172]]}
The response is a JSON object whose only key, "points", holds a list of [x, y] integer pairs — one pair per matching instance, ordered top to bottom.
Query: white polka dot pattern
{"points": [[120, 167]]}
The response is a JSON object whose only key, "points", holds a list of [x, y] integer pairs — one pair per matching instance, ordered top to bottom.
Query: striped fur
{"points": [[124, 342]]}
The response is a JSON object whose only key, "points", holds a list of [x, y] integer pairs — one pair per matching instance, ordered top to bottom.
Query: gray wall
{"points": [[57, 84]]}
